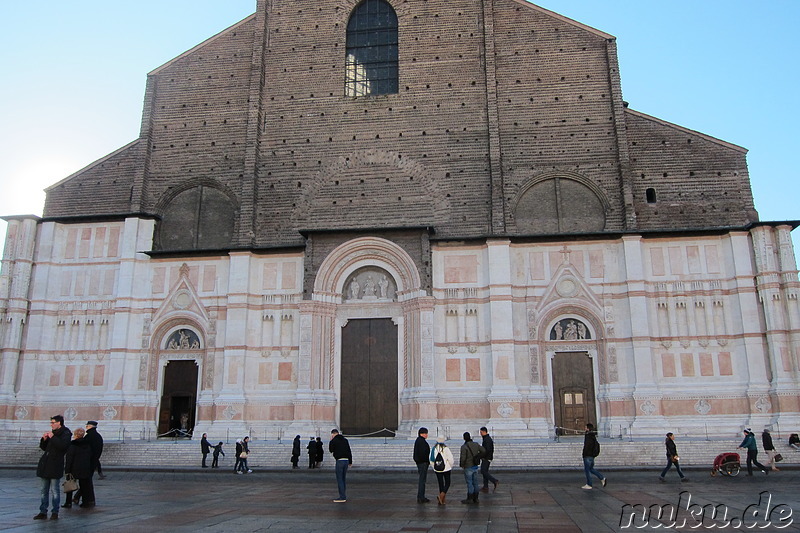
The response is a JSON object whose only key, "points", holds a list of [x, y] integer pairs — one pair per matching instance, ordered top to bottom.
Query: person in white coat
{"points": [[442, 462]]}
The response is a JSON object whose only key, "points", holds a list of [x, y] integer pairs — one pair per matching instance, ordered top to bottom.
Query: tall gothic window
{"points": [[371, 62]]}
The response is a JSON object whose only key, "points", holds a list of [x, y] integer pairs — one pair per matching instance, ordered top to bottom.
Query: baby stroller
{"points": [[727, 464]]}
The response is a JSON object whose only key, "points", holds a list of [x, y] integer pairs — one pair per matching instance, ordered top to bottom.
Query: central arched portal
{"points": [[369, 395]]}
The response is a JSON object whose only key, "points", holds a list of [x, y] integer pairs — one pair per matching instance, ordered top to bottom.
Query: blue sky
{"points": [[74, 78]]}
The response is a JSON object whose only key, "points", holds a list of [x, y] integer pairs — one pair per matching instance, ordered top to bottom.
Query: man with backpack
{"points": [[591, 449]]}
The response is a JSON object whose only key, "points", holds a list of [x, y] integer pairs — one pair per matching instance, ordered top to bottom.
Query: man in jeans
{"points": [[54, 444], [591, 449], [340, 450], [422, 452], [469, 460], [486, 461]]}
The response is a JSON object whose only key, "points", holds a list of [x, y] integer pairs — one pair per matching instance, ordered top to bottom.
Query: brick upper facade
{"points": [[494, 97]]}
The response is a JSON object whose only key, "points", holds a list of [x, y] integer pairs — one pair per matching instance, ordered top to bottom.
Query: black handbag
{"points": [[778, 458], [70, 484]]}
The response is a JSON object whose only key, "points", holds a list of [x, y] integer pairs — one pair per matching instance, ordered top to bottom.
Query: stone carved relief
{"points": [[370, 284], [570, 329], [183, 339], [534, 357], [613, 371], [763, 405], [702, 406], [648, 408], [505, 410], [109, 412], [230, 412], [21, 413], [70, 413]]}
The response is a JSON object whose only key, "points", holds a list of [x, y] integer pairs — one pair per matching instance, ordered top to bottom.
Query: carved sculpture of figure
{"points": [[383, 285], [369, 287], [354, 289], [581, 330], [559, 331], [571, 332], [184, 343], [172, 344], [196, 345], [185, 421]]}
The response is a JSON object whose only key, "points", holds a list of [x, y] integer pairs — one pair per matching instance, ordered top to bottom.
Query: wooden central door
{"points": [[573, 392], [369, 398]]}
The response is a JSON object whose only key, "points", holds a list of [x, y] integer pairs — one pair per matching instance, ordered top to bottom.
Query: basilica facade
{"points": [[376, 215]]}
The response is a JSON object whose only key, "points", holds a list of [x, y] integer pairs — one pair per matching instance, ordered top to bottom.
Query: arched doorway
{"points": [[573, 376], [178, 407]]}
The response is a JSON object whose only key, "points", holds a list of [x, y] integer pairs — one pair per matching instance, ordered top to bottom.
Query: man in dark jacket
{"points": [[95, 441], [54, 444], [769, 447], [205, 448], [591, 449], [340, 450], [295, 451], [422, 452], [469, 460], [486, 460]]}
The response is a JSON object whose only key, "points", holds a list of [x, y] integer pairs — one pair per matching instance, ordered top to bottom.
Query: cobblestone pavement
{"points": [[301, 501]]}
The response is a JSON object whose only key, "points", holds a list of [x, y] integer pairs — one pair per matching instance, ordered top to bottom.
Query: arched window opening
{"points": [[371, 62], [651, 195]]}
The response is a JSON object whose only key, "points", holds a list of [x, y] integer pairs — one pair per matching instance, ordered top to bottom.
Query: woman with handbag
{"points": [[242, 451], [672, 458], [442, 463], [78, 465]]}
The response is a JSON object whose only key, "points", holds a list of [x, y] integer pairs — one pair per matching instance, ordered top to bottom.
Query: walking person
{"points": [[95, 441], [749, 442], [54, 444], [769, 447], [205, 448], [311, 448], [591, 449], [340, 450], [295, 451], [217, 452], [242, 452], [422, 452], [320, 453], [470, 459], [672, 459], [237, 460], [442, 461], [486, 461], [78, 464]]}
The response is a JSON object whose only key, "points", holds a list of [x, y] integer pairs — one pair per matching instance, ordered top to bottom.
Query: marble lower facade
{"points": [[638, 333]]}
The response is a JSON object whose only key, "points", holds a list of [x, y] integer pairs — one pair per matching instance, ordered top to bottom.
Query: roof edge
{"points": [[568, 20], [200, 45], [687, 130], [91, 165]]}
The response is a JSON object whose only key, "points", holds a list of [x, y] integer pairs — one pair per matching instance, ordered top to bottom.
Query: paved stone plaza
{"points": [[301, 501]]}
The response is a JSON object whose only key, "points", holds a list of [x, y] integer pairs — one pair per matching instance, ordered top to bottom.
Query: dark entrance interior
{"points": [[369, 377], [573, 391], [179, 399]]}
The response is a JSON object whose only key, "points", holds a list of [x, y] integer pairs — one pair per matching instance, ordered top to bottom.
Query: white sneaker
{"points": [[249, 471], [604, 481], [587, 487], [339, 501]]}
